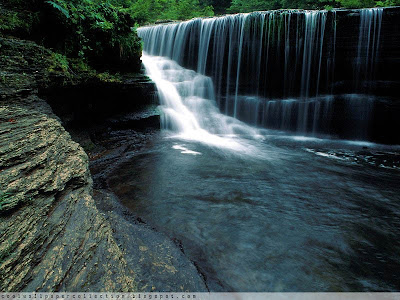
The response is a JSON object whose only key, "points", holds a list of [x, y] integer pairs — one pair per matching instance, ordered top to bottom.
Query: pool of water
{"points": [[286, 216]]}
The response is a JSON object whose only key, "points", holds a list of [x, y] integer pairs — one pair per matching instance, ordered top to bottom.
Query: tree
{"points": [[245, 6], [149, 11]]}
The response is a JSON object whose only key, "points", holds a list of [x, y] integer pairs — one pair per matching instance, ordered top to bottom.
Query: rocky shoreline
{"points": [[57, 233]]}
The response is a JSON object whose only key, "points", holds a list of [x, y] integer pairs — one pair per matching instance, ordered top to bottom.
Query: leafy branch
{"points": [[59, 8]]}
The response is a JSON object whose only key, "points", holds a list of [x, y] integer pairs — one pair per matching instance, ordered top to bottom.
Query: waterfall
{"points": [[368, 46], [236, 52], [312, 56], [275, 69], [188, 106]]}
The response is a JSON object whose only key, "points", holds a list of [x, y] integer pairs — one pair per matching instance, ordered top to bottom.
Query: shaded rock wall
{"points": [[386, 78], [94, 101], [53, 237]]}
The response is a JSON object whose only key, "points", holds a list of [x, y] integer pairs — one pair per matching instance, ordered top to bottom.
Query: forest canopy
{"points": [[150, 11]]}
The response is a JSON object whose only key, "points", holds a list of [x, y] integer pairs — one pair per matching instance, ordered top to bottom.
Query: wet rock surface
{"points": [[366, 157], [54, 235], [156, 258], [157, 262]]}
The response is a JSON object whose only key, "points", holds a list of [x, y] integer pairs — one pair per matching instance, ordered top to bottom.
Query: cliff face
{"points": [[52, 235]]}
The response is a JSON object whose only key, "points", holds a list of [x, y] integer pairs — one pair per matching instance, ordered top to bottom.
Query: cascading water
{"points": [[368, 46], [236, 50], [276, 68], [188, 103]]}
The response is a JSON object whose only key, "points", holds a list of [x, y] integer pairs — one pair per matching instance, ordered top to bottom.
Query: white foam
{"points": [[189, 109], [185, 150]]}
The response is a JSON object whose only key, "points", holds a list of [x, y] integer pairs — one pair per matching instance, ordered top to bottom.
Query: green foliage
{"points": [[356, 3], [388, 3], [254, 5], [219, 6], [244, 6], [59, 8], [187, 9], [150, 11], [14, 21], [93, 30], [59, 62], [79, 67], [107, 77]]}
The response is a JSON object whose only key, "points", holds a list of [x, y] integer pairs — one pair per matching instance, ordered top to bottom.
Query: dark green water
{"points": [[290, 217]]}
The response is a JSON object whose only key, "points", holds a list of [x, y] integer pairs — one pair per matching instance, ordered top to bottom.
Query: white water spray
{"points": [[189, 109]]}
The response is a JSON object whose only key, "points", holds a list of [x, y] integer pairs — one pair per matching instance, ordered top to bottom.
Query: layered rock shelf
{"points": [[53, 235]]}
